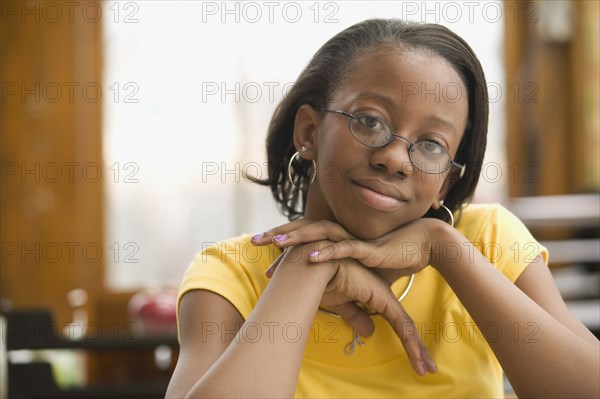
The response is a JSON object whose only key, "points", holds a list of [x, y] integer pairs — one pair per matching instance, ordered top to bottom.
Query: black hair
{"points": [[317, 85]]}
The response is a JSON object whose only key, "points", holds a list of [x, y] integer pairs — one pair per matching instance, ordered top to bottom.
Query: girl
{"points": [[374, 156]]}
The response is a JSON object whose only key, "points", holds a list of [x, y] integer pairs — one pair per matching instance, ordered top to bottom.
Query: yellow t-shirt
{"points": [[467, 367]]}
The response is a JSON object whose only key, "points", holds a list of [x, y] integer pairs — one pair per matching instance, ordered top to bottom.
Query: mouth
{"points": [[378, 196]]}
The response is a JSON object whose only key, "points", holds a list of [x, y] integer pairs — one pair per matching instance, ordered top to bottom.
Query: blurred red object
{"points": [[154, 310]]}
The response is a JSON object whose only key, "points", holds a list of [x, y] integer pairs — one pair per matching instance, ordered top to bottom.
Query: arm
{"points": [[537, 282], [207, 325], [564, 362], [267, 364], [239, 366]]}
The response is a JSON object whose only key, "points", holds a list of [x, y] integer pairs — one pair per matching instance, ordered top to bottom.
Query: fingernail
{"points": [[258, 236], [280, 237], [314, 254], [269, 271], [424, 368], [434, 368]]}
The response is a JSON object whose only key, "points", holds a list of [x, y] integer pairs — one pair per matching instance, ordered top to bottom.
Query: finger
{"points": [[323, 230], [267, 236], [311, 247], [366, 253], [285, 254], [273, 267], [391, 275], [363, 285], [381, 299], [356, 318], [407, 330], [429, 363]]}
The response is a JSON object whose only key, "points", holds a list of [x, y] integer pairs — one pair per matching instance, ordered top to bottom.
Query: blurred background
{"points": [[127, 128]]}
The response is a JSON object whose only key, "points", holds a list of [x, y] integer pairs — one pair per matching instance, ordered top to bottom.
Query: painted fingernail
{"points": [[258, 236], [280, 237], [314, 254], [269, 271], [429, 363], [433, 368]]}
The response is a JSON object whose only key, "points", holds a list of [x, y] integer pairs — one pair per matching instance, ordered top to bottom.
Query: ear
{"points": [[306, 125], [451, 178]]}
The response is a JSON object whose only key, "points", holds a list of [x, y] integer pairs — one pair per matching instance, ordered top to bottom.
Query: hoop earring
{"points": [[313, 175], [449, 212]]}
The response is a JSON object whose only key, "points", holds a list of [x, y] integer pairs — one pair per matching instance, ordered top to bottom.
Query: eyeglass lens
{"points": [[428, 156]]}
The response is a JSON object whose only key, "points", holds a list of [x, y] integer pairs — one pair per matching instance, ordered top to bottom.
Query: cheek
{"points": [[336, 154], [332, 164], [329, 173], [431, 182], [427, 189]]}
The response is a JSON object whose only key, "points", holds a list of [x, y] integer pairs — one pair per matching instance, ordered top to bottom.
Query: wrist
{"points": [[442, 236], [295, 264]]}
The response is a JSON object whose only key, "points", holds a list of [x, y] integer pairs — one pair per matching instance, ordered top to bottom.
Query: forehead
{"points": [[407, 82]]}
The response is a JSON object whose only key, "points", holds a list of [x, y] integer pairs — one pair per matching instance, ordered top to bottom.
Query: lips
{"points": [[378, 195]]}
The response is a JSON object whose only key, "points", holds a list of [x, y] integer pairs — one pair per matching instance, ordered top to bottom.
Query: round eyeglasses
{"points": [[426, 155]]}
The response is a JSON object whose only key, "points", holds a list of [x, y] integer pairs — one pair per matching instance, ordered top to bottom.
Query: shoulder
{"points": [[475, 220], [501, 237], [238, 250], [233, 260], [233, 268]]}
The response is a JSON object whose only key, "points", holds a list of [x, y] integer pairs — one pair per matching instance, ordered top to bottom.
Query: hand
{"points": [[300, 231], [304, 231], [402, 252], [351, 282], [348, 310], [355, 316]]}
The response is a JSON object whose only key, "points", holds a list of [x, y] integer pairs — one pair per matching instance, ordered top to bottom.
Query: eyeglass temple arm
{"points": [[337, 112], [462, 168]]}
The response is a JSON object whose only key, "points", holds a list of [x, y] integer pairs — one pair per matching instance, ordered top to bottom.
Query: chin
{"points": [[370, 227], [369, 230]]}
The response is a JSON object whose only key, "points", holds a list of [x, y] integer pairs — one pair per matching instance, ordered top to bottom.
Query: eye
{"points": [[371, 122], [431, 147]]}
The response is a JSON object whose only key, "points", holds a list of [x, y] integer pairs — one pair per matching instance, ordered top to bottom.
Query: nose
{"points": [[393, 157]]}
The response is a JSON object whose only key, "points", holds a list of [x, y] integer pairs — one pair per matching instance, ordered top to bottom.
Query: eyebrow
{"points": [[373, 95], [392, 104], [442, 122]]}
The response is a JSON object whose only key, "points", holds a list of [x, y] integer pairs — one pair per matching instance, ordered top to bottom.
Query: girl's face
{"points": [[372, 191]]}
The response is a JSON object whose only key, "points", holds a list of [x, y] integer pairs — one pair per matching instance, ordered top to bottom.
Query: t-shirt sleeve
{"points": [[503, 239], [234, 269]]}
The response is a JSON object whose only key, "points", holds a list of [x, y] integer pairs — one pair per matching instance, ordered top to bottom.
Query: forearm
{"points": [[265, 361], [559, 364]]}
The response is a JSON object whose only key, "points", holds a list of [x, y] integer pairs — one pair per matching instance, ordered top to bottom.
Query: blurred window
{"points": [[190, 87]]}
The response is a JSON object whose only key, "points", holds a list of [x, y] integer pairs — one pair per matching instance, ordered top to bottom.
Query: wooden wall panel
{"points": [[513, 52], [584, 62], [553, 135], [52, 204]]}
